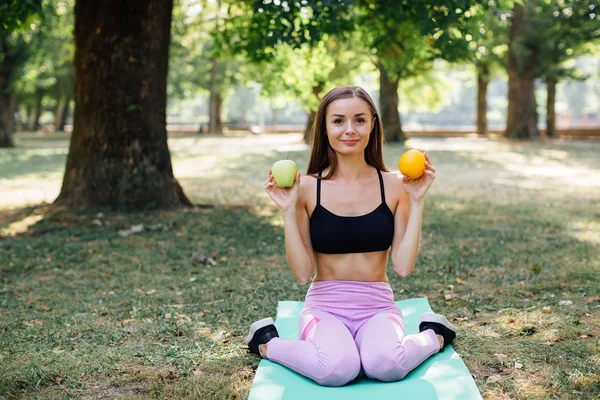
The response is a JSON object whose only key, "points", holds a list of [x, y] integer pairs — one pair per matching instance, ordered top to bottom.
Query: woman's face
{"points": [[349, 123]]}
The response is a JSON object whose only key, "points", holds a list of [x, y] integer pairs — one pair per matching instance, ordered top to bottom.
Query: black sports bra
{"points": [[334, 234]]}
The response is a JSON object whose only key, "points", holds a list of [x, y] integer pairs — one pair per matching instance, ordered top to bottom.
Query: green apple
{"points": [[284, 172]]}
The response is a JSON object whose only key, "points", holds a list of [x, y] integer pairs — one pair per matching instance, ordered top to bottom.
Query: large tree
{"points": [[572, 29], [14, 35], [543, 35], [406, 37], [488, 56], [201, 62], [47, 79], [521, 119], [118, 156]]}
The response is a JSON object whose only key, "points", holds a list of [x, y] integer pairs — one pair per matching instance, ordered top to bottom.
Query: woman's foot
{"points": [[440, 325], [261, 332]]}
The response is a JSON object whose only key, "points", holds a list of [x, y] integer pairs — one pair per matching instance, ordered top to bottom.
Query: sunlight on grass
{"points": [[22, 225], [585, 230]]}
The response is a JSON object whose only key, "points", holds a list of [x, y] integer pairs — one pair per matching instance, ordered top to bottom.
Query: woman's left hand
{"points": [[417, 188]]}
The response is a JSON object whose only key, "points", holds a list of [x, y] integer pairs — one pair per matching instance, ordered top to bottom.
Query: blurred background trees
{"points": [[264, 65]]}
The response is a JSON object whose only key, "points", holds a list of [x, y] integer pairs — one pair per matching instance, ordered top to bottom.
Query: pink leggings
{"points": [[345, 325]]}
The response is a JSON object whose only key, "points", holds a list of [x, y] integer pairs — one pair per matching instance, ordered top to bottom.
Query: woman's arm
{"points": [[292, 205], [408, 219], [407, 234], [298, 248]]}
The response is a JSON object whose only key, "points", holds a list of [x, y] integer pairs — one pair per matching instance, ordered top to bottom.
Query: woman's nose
{"points": [[349, 128]]}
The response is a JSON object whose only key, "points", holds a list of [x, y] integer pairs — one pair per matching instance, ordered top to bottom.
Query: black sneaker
{"points": [[440, 325], [260, 333]]}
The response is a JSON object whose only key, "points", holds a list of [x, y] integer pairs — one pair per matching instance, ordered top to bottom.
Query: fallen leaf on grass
{"points": [[131, 231], [450, 296], [592, 299], [44, 307], [546, 310], [501, 357], [518, 365], [494, 378]]}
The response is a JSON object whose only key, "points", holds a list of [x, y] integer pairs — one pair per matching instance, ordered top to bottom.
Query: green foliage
{"points": [[15, 13], [266, 24], [566, 29], [557, 31], [196, 43], [490, 48], [49, 70], [307, 72]]}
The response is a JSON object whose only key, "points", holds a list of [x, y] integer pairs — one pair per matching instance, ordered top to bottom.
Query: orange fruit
{"points": [[412, 164]]}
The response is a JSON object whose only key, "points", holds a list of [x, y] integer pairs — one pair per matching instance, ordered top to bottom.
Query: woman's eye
{"points": [[360, 120], [337, 121]]}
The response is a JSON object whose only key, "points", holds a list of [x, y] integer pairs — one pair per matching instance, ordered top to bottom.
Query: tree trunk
{"points": [[483, 78], [316, 91], [388, 103], [550, 110], [61, 112], [58, 113], [65, 114], [34, 118], [7, 119], [521, 121], [215, 125], [308, 129], [118, 156]]}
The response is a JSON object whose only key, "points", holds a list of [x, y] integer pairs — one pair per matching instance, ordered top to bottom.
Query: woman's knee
{"points": [[384, 366], [341, 371]]}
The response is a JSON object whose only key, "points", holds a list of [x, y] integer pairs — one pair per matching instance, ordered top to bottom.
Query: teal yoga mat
{"points": [[442, 376]]}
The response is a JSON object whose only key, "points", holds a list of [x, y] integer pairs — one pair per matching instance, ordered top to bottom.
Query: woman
{"points": [[344, 218]]}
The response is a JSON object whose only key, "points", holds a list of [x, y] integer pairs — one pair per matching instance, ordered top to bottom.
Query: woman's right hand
{"points": [[286, 198]]}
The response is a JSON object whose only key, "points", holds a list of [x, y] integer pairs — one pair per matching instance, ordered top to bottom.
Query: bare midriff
{"points": [[362, 267]]}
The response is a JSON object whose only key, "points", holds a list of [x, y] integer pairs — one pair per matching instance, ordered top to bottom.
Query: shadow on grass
{"points": [[15, 163]]}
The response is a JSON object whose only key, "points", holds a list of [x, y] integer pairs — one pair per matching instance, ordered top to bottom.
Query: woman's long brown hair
{"points": [[322, 155]]}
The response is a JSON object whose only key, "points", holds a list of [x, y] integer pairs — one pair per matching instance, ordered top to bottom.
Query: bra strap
{"points": [[381, 186], [319, 189]]}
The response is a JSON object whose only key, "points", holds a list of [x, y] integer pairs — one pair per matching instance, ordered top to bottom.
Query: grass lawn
{"points": [[510, 252]]}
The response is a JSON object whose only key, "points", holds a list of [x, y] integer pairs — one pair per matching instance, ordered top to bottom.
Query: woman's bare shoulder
{"points": [[393, 177], [393, 183], [308, 185]]}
